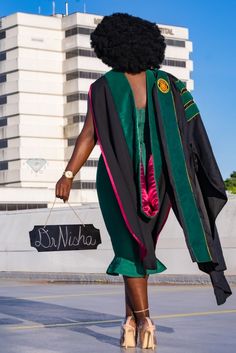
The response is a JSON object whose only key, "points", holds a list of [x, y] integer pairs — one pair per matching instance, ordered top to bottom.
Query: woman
{"points": [[148, 164]]}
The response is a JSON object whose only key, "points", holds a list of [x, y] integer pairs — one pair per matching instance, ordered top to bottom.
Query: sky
{"points": [[212, 27]]}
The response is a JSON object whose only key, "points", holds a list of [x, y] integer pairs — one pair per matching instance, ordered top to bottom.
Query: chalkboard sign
{"points": [[65, 237]]}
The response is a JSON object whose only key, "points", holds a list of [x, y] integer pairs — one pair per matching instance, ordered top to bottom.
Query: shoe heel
{"points": [[128, 333], [149, 339], [129, 340]]}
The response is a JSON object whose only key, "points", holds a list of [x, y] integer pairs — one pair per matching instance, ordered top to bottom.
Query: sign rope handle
{"points": [[50, 211], [77, 215]]}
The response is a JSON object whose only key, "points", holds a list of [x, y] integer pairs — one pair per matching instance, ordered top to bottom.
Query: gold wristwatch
{"points": [[68, 174]]}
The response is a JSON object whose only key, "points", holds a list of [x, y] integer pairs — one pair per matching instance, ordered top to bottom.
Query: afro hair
{"points": [[128, 43]]}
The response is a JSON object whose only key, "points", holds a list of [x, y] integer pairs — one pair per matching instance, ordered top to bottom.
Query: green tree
{"points": [[230, 183]]}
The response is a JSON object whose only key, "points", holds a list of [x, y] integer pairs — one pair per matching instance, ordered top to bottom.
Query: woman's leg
{"points": [[136, 295], [137, 302], [128, 305]]}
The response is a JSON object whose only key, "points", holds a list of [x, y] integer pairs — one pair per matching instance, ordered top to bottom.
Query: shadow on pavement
{"points": [[26, 312]]}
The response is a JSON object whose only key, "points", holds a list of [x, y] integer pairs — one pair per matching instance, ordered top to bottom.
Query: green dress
{"points": [[126, 260]]}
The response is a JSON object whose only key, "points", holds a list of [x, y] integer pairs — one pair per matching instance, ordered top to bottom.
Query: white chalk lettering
{"points": [[63, 239]]}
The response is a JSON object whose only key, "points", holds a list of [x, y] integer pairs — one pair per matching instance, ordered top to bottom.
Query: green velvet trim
{"points": [[180, 85], [186, 97], [123, 99], [125, 105], [191, 111], [141, 116], [153, 127], [154, 138], [189, 210], [122, 266]]}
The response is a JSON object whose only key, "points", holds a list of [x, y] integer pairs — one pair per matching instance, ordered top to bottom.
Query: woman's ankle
{"points": [[142, 320], [132, 321]]}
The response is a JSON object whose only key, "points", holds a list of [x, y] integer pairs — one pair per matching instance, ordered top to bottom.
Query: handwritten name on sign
{"points": [[65, 237]]}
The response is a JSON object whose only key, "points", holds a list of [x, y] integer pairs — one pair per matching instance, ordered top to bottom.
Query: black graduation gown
{"points": [[206, 180]]}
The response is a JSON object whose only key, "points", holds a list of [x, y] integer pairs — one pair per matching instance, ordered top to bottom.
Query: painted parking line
{"points": [[85, 294], [62, 296], [78, 323]]}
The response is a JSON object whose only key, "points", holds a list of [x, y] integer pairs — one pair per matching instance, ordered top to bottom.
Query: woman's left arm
{"points": [[84, 145]]}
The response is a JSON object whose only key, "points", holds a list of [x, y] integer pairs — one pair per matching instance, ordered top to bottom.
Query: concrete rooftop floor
{"points": [[62, 317]]}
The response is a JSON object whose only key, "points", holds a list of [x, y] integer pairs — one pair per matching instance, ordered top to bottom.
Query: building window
{"points": [[78, 30], [85, 30], [71, 32], [2, 34], [175, 42], [80, 52], [87, 52], [72, 53], [3, 56], [170, 62], [83, 74], [72, 75], [90, 75], [3, 78], [83, 96], [72, 97], [76, 97], [3, 99], [79, 118], [70, 120], [3, 121], [71, 141], [3, 143], [91, 163], [3, 165], [78, 184], [20, 206]]}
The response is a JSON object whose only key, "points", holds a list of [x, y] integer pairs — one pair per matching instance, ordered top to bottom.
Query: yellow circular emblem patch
{"points": [[163, 85]]}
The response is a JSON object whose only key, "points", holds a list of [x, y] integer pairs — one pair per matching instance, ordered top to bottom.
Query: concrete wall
{"points": [[16, 254]]}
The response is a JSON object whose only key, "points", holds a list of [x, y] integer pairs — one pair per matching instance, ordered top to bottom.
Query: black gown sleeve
{"points": [[206, 167], [209, 179], [215, 197]]}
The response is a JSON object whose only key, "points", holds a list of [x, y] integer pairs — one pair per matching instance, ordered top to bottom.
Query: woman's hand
{"points": [[63, 187]]}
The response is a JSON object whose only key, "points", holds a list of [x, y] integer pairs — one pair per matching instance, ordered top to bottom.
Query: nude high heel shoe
{"points": [[146, 334], [128, 337]]}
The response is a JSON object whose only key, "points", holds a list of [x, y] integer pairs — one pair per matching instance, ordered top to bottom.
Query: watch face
{"points": [[68, 174]]}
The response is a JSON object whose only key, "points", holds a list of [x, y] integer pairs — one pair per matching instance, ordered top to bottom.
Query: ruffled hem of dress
{"points": [[122, 266]]}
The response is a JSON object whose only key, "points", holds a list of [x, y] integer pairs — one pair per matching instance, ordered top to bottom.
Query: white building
{"points": [[46, 68]]}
